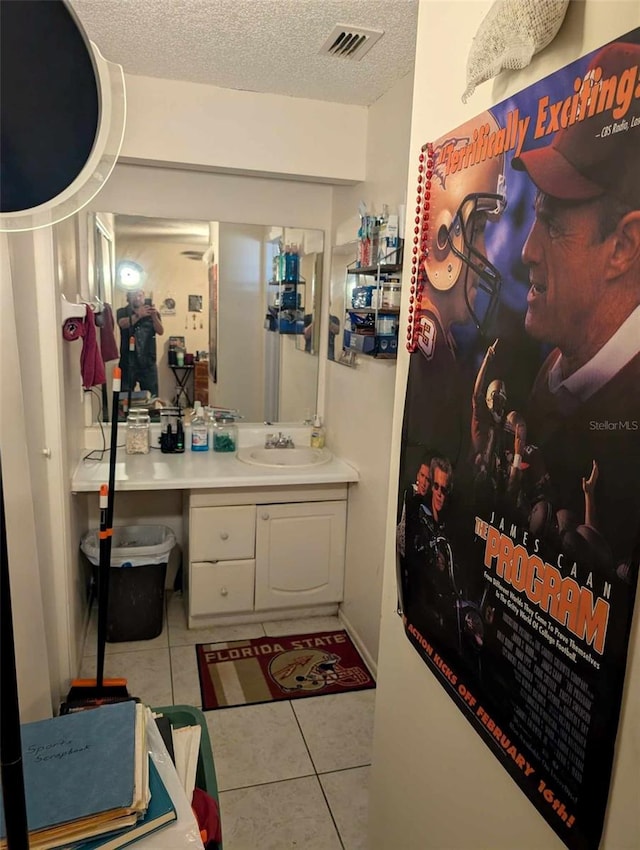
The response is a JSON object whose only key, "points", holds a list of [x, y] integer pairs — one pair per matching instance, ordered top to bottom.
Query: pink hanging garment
{"points": [[108, 345], [91, 363]]}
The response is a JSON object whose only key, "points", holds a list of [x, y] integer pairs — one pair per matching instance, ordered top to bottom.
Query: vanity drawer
{"points": [[222, 534], [225, 587]]}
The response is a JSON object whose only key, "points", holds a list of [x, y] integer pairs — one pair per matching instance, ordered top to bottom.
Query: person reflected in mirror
{"points": [[141, 321], [334, 330]]}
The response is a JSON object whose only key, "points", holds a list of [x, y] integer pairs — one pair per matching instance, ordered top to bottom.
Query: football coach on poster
{"points": [[583, 257]]}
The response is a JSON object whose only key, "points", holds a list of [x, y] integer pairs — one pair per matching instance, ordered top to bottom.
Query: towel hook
{"points": [[69, 310]]}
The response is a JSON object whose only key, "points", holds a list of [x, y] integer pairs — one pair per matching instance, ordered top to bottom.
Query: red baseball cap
{"points": [[582, 161]]}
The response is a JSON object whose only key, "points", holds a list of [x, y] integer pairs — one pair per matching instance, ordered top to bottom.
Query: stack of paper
{"points": [[183, 745], [186, 745], [89, 782]]}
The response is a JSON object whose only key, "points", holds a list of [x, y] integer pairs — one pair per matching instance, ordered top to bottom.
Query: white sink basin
{"points": [[284, 457]]}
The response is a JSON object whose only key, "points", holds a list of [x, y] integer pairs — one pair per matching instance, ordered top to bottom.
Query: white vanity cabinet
{"points": [[221, 554], [255, 554], [299, 554]]}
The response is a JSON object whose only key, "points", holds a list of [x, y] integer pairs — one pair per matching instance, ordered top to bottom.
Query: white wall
{"points": [[199, 126], [179, 193], [240, 323], [359, 402], [23, 472], [70, 518], [434, 783]]}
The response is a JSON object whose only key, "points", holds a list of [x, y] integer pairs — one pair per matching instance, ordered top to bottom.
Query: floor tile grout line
{"points": [[166, 612], [293, 711], [345, 769], [317, 775], [290, 779], [269, 782], [326, 799]]}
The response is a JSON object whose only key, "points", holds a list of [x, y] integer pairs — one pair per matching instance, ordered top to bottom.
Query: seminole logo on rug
{"points": [[252, 671]]}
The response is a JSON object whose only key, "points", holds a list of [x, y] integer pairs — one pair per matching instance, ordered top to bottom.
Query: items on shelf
{"points": [[379, 238], [286, 264], [373, 304], [286, 312]]}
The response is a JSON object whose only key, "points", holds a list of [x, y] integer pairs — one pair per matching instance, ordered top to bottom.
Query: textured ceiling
{"points": [[255, 45]]}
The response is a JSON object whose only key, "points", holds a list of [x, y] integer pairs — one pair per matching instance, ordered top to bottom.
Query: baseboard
{"points": [[328, 610], [359, 643]]}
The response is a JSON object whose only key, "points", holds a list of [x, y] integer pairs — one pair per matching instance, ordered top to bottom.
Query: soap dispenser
{"points": [[317, 433]]}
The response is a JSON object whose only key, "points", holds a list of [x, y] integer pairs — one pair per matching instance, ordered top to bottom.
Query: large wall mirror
{"points": [[228, 295]]}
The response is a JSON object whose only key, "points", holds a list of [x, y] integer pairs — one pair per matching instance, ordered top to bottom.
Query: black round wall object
{"points": [[49, 102], [62, 114]]}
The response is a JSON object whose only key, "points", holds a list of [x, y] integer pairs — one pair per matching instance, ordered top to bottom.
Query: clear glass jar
{"points": [[138, 430], [225, 435]]}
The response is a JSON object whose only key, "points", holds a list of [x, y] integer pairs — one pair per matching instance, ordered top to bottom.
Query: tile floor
{"points": [[291, 774]]}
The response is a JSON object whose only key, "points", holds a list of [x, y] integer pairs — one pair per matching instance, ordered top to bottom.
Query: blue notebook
{"points": [[78, 765], [160, 812]]}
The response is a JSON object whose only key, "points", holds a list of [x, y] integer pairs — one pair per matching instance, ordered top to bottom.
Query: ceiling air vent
{"points": [[350, 42]]}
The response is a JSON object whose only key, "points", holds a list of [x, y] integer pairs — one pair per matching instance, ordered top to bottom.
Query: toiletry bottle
{"points": [[209, 418], [199, 431], [317, 433], [225, 435]]}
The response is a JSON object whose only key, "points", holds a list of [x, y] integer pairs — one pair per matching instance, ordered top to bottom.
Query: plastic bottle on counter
{"points": [[210, 419], [199, 430], [317, 433], [225, 435]]}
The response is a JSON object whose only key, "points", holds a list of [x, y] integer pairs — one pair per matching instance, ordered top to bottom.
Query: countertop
{"points": [[201, 470]]}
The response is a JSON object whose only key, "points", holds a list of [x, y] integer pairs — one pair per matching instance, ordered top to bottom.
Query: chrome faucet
{"points": [[278, 441]]}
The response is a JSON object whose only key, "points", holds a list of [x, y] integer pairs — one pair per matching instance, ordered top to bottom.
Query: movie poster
{"points": [[519, 492]]}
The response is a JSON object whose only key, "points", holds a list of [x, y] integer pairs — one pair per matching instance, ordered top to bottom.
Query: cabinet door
{"points": [[222, 534], [299, 554], [224, 587]]}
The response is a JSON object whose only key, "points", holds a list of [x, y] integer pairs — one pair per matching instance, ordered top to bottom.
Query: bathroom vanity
{"points": [[260, 542], [260, 550]]}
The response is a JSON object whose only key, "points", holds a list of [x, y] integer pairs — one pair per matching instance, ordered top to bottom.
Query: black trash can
{"points": [[139, 557]]}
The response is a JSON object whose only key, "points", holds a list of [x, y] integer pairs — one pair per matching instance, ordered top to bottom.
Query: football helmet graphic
{"points": [[461, 202], [312, 670]]}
